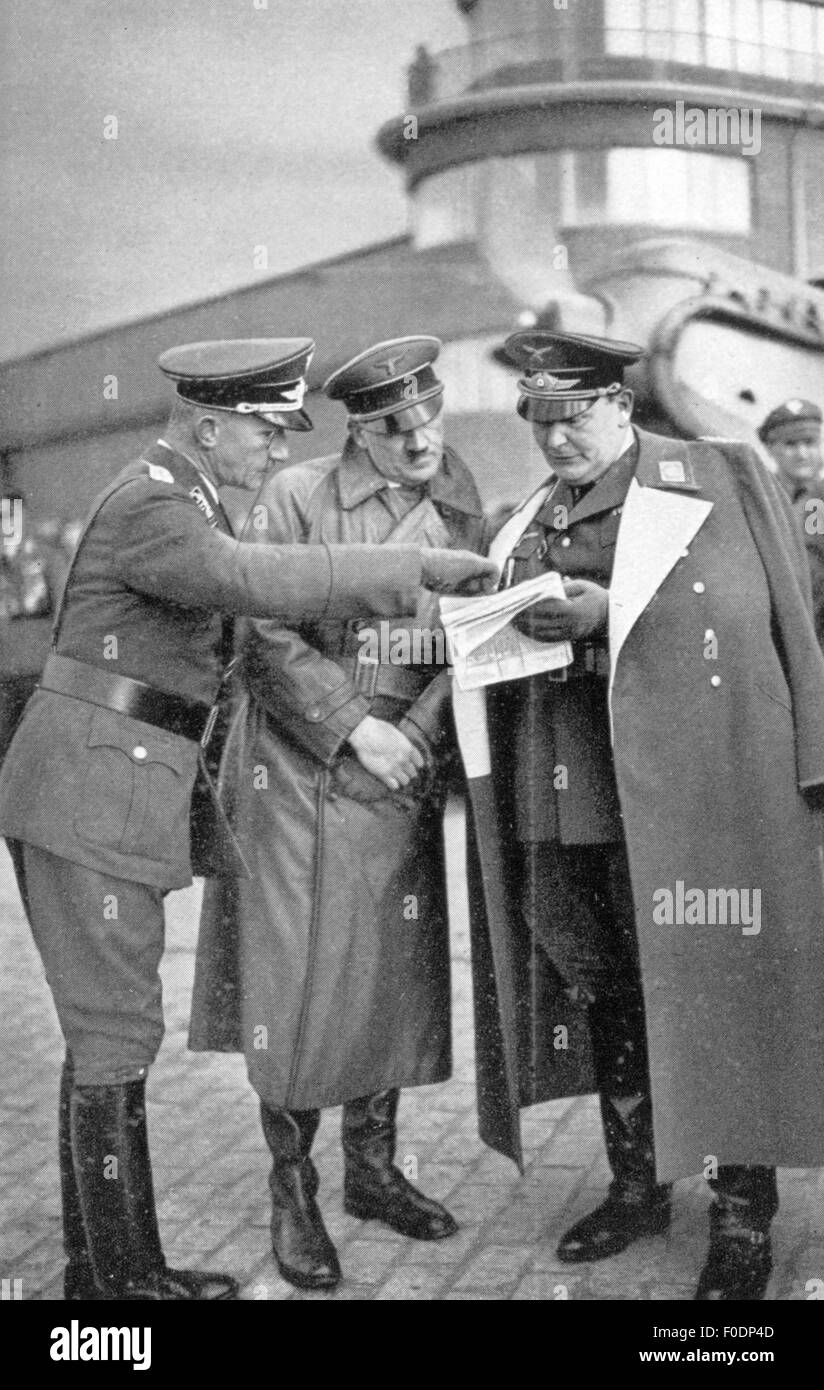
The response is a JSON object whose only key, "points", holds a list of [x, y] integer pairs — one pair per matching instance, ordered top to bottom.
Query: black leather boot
{"points": [[113, 1174], [374, 1189], [636, 1206], [301, 1244], [739, 1262], [78, 1277]]}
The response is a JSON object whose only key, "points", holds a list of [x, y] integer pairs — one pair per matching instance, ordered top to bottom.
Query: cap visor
{"points": [[545, 411], [409, 417], [287, 419], [791, 434]]}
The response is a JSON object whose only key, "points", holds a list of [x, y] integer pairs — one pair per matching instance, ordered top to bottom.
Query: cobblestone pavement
{"points": [[210, 1164]]}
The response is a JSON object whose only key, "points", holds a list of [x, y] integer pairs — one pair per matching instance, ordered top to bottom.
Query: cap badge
{"points": [[390, 364], [556, 383], [291, 398], [794, 407]]}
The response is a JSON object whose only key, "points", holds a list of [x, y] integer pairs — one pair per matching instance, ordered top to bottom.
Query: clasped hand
{"points": [[583, 613], [385, 752]]}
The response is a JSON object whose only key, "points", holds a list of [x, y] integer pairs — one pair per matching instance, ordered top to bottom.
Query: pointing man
{"points": [[97, 785]]}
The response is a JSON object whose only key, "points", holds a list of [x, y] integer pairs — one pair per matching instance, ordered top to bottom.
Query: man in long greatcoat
{"points": [[652, 820], [343, 953]]}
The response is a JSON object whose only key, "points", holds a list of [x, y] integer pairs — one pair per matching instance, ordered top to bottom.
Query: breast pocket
{"points": [[137, 788]]}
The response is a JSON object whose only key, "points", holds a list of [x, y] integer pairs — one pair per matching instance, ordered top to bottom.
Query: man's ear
{"points": [[626, 400], [206, 431]]}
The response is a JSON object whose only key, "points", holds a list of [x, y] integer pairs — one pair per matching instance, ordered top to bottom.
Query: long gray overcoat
{"points": [[717, 705]]}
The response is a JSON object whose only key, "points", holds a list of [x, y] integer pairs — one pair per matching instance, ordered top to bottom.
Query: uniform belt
{"points": [[589, 659], [65, 676], [373, 678]]}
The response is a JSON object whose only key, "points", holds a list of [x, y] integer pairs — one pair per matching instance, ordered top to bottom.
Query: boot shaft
{"points": [[369, 1131], [110, 1149]]}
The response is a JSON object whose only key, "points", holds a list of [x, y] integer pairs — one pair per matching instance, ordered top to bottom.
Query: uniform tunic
{"points": [[808, 504], [100, 800], [568, 818]]}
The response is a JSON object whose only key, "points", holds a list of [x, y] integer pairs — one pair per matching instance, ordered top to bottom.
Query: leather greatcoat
{"points": [[329, 966]]}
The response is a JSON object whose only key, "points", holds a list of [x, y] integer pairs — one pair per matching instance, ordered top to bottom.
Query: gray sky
{"points": [[237, 127]]}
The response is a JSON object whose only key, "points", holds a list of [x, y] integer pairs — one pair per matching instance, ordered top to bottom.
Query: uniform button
{"points": [[565, 541], [684, 554], [698, 587], [715, 680], [313, 714], [139, 752]]}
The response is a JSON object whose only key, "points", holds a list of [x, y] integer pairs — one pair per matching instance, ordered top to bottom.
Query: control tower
{"points": [[647, 169]]}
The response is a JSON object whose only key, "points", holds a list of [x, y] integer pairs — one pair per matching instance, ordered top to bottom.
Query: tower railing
{"points": [[594, 52]]}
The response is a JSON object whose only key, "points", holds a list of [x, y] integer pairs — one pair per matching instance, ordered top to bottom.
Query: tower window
{"points": [[775, 38]]}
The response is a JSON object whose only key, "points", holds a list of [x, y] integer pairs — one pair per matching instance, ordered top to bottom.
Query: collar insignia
{"points": [[201, 502]]}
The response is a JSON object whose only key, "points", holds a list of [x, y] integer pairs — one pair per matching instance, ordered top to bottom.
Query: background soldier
{"points": [[792, 434], [33, 564], [669, 761], [98, 781], [343, 993]]}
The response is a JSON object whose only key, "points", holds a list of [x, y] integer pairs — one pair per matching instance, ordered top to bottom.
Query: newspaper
{"points": [[485, 648]]}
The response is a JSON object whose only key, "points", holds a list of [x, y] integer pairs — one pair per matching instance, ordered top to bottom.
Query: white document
{"points": [[485, 648]]}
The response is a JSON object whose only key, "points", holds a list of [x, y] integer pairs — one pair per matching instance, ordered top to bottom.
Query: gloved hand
{"points": [[458, 572], [583, 613], [426, 776], [350, 779]]}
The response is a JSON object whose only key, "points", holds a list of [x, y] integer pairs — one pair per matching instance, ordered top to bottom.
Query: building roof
{"points": [[381, 291]]}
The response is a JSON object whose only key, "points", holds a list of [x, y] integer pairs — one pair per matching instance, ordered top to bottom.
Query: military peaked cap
{"points": [[565, 372], [251, 376], [392, 379]]}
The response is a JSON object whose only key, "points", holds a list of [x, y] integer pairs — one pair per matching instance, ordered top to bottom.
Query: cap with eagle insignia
{"points": [[566, 372], [250, 376], [393, 380], [791, 413]]}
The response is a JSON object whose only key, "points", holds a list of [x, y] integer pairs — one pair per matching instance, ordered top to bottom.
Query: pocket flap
{"points": [[142, 743]]}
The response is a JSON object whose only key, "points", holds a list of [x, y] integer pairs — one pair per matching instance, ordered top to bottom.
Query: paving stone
{"points": [[211, 1168], [495, 1268]]}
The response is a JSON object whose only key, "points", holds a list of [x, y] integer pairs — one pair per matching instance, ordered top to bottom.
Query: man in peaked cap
{"points": [[792, 435], [97, 786], [653, 820], [344, 956]]}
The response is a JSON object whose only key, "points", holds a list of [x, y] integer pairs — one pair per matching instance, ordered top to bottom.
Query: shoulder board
{"points": [[718, 439], [158, 474]]}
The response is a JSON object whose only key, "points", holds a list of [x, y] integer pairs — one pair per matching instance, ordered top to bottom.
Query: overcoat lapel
{"points": [[657, 524]]}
